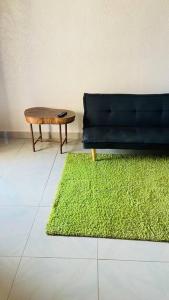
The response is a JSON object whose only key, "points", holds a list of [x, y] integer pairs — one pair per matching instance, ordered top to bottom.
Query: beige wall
{"points": [[51, 51]]}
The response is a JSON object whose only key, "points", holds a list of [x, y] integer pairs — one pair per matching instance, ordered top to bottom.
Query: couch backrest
{"points": [[126, 110]]}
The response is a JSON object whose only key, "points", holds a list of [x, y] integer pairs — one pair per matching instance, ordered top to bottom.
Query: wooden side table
{"points": [[44, 115]]}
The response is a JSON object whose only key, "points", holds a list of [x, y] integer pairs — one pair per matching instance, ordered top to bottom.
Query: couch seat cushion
{"points": [[152, 135]]}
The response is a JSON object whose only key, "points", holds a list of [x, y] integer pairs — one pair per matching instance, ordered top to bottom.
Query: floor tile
{"points": [[73, 145], [43, 148], [9, 150], [29, 173], [53, 181], [21, 191], [15, 224], [42, 245], [132, 250], [8, 267], [50, 278], [124, 280]]}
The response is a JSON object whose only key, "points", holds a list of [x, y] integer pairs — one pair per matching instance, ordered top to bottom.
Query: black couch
{"points": [[125, 121]]}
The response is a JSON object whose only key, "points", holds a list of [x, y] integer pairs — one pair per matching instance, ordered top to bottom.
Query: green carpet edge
{"points": [[53, 232]]}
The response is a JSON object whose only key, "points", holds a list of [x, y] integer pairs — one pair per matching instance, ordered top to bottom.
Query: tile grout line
{"points": [[17, 153], [45, 185], [22, 205], [38, 206], [36, 213], [52, 257], [88, 258], [134, 260], [98, 270], [12, 283]]}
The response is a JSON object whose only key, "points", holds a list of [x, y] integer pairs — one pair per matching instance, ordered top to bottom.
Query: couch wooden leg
{"points": [[93, 154]]}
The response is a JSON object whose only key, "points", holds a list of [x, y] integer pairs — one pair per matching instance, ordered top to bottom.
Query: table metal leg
{"points": [[40, 132], [66, 133], [60, 134], [33, 143]]}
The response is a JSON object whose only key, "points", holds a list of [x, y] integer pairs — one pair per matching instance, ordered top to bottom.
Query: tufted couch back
{"points": [[145, 110]]}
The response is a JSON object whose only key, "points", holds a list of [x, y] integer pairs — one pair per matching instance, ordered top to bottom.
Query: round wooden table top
{"points": [[45, 115]]}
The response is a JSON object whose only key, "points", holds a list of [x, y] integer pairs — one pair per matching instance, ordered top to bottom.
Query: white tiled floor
{"points": [[36, 266]]}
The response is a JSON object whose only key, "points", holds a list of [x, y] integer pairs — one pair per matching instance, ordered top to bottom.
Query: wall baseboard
{"points": [[46, 135]]}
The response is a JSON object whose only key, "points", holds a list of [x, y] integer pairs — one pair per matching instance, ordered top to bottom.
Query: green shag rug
{"points": [[117, 196]]}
